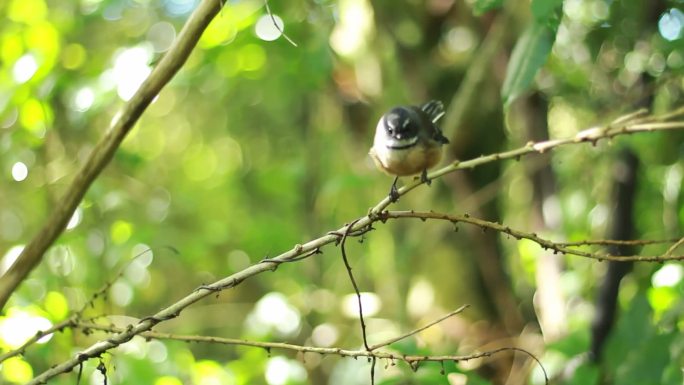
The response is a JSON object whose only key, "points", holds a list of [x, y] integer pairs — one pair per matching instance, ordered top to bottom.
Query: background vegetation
{"points": [[258, 145]]}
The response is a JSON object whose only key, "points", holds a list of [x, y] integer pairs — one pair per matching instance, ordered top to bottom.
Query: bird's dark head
{"points": [[400, 124]]}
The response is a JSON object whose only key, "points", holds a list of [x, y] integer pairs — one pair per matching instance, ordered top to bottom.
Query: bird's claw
{"points": [[424, 178], [394, 193]]}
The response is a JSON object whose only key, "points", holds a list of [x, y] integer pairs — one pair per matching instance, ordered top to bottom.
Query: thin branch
{"points": [[275, 23], [104, 150], [361, 225], [617, 242], [544, 243], [674, 247], [353, 282], [420, 329], [409, 359]]}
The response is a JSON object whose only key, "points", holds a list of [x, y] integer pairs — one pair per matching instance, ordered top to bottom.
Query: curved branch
{"points": [[104, 150], [544, 243], [412, 360]]}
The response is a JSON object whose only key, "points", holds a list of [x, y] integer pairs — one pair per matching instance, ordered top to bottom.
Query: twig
{"points": [[275, 23], [630, 116], [104, 150], [616, 242], [544, 243], [672, 248], [353, 281], [420, 329], [409, 359]]}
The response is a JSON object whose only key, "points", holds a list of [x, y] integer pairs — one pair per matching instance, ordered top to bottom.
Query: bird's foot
{"points": [[424, 178], [394, 193]]}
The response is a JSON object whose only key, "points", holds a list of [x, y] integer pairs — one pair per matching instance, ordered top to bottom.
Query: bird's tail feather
{"points": [[434, 109]]}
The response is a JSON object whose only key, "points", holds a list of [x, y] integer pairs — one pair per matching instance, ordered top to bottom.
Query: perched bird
{"points": [[408, 141]]}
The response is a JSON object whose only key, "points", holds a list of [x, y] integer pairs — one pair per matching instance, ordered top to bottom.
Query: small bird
{"points": [[408, 141]]}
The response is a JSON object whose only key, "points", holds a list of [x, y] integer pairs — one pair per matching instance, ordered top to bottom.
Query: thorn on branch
{"points": [[414, 365]]}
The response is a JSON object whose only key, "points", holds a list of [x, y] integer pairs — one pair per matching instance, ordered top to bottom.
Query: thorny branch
{"points": [[635, 123], [544, 243], [412, 360]]}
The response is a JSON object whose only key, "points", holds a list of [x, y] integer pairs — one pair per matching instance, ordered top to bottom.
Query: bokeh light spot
{"points": [[179, 7], [27, 11], [670, 24], [355, 25], [268, 30], [161, 35], [73, 56], [252, 57], [24, 68], [131, 69], [83, 99], [33, 117], [19, 171], [75, 218], [120, 231], [10, 256], [667, 276], [121, 293], [370, 302], [56, 305], [273, 313], [19, 326], [324, 335], [16, 370], [281, 371], [207, 372]]}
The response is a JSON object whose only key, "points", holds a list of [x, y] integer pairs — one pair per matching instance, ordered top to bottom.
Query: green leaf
{"points": [[482, 6], [544, 10], [548, 13], [528, 56]]}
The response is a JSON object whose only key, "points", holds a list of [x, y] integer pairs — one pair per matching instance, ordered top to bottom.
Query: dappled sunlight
{"points": [[130, 69], [194, 234], [273, 313], [18, 326]]}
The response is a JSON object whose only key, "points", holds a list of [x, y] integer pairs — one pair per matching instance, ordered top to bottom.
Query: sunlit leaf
{"points": [[544, 10], [529, 55], [56, 304], [16, 370]]}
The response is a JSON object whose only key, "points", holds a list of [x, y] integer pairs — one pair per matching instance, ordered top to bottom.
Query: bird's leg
{"points": [[424, 178], [394, 193]]}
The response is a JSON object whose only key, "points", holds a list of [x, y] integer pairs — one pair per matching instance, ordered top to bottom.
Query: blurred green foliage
{"points": [[257, 145]]}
